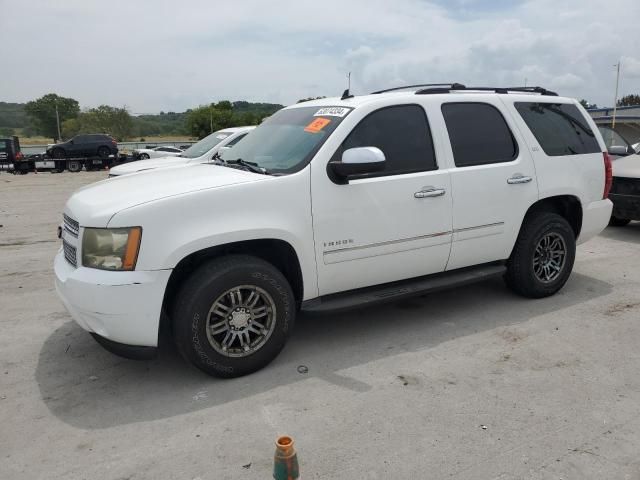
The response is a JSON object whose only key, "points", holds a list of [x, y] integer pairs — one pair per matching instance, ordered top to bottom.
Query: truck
{"points": [[333, 204]]}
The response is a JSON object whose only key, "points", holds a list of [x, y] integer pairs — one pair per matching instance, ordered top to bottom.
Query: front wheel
{"points": [[144, 156], [618, 222], [543, 256], [233, 315]]}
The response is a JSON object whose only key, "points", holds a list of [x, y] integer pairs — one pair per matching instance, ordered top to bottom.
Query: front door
{"points": [[386, 226]]}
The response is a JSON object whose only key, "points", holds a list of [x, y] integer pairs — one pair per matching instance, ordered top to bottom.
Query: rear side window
{"points": [[559, 128], [402, 133], [479, 134]]}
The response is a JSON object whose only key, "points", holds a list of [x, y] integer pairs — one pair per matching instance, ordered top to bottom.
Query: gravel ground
{"points": [[471, 383]]}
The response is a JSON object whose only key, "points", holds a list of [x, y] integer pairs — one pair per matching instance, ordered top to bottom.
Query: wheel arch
{"points": [[567, 206], [279, 253]]}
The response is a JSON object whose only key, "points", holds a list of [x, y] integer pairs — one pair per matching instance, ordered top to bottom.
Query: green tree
{"points": [[629, 100], [587, 105], [42, 112], [103, 119], [204, 120], [6, 132]]}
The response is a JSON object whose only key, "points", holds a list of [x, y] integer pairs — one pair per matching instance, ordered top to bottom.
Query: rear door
{"points": [[493, 180]]}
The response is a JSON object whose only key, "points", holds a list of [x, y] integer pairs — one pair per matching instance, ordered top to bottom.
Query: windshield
{"points": [[286, 141], [206, 144]]}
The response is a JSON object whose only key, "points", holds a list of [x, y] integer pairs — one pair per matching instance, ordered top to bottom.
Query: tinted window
{"points": [[559, 128], [402, 133], [479, 134], [80, 139], [235, 140]]}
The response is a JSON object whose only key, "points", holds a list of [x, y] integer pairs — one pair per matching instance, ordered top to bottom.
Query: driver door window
{"points": [[402, 133]]}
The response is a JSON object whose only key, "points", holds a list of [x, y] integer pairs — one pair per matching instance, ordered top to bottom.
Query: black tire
{"points": [[103, 152], [58, 153], [144, 156], [74, 165], [618, 222], [521, 276], [196, 298]]}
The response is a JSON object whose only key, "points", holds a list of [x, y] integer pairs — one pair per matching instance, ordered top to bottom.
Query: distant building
{"points": [[627, 120]]}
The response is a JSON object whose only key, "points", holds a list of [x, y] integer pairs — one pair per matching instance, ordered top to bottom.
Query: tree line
{"points": [[60, 118]]}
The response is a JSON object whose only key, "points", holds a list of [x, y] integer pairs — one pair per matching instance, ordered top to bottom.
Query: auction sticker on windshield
{"points": [[332, 112], [317, 125]]}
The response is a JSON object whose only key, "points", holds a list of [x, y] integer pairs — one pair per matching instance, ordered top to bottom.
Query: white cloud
{"points": [[153, 55]]}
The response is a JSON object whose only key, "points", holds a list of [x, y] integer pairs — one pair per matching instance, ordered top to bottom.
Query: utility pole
{"points": [[615, 99], [58, 122]]}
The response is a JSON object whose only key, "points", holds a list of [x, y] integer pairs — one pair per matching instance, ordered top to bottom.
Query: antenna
{"points": [[346, 94]]}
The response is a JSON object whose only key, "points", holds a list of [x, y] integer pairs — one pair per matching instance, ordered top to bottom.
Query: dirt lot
{"points": [[472, 383]]}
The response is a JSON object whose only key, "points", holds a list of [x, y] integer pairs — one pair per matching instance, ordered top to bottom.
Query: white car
{"points": [[157, 152], [200, 152], [331, 204]]}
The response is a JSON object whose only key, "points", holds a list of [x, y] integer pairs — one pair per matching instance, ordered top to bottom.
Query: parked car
{"points": [[91, 145], [617, 145], [157, 152], [200, 152], [11, 158], [625, 191], [331, 204]]}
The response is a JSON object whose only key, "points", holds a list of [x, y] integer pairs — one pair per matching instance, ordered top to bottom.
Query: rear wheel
{"points": [[144, 156], [74, 165], [618, 222], [543, 256], [233, 315]]}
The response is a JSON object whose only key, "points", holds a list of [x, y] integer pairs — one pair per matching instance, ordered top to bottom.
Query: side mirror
{"points": [[71, 142], [617, 150], [358, 161]]}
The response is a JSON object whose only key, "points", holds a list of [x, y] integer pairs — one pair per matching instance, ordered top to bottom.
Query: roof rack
{"points": [[446, 86], [457, 86]]}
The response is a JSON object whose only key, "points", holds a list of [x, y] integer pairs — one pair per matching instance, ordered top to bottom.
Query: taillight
{"points": [[19, 156], [608, 175]]}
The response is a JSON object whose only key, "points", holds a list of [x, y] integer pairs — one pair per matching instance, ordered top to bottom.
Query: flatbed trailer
{"points": [[43, 163]]}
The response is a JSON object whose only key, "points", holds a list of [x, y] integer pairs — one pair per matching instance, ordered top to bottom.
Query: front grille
{"points": [[70, 225], [70, 253]]}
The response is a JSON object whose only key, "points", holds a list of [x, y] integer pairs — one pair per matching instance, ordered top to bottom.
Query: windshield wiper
{"points": [[251, 166]]}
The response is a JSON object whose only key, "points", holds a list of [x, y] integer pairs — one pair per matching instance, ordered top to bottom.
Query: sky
{"points": [[154, 55]]}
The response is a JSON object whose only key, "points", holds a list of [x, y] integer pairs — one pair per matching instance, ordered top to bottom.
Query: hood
{"points": [[150, 164], [628, 167], [95, 204]]}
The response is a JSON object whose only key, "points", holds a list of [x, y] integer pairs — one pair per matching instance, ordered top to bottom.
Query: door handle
{"points": [[518, 178], [427, 192]]}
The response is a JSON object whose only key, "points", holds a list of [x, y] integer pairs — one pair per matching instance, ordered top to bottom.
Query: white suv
{"points": [[199, 152], [330, 204]]}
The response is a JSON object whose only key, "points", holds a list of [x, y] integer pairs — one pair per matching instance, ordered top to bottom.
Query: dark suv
{"points": [[93, 145]]}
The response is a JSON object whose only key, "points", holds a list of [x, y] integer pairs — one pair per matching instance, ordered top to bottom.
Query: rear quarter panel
{"points": [[579, 175]]}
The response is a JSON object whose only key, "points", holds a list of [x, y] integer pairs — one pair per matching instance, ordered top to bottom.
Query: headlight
{"points": [[111, 248]]}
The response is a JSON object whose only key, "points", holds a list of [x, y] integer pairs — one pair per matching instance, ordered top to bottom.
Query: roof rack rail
{"points": [[449, 86], [440, 89]]}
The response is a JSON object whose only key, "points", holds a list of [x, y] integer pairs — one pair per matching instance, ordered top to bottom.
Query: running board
{"points": [[388, 292]]}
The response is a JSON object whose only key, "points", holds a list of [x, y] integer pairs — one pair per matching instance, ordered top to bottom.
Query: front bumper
{"points": [[122, 307]]}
